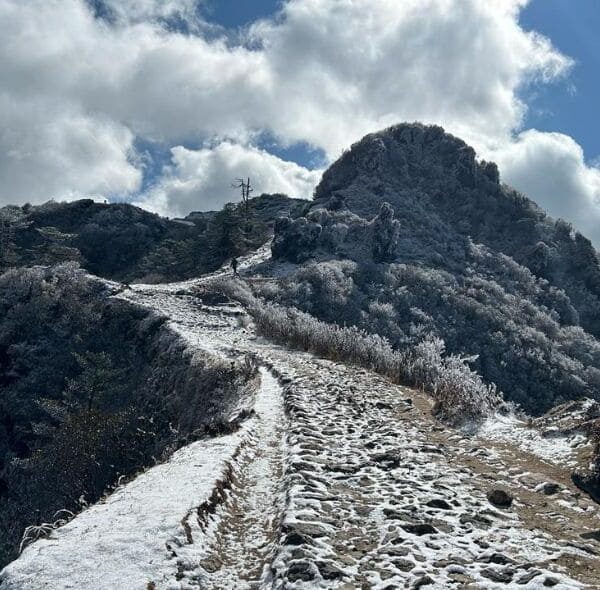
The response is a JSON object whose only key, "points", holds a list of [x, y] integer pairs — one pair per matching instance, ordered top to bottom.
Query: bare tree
{"points": [[246, 189]]}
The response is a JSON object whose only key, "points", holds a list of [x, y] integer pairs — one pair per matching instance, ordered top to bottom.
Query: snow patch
{"points": [[557, 449], [123, 542]]}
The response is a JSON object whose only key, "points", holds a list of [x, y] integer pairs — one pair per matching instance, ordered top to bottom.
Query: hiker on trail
{"points": [[234, 265]]}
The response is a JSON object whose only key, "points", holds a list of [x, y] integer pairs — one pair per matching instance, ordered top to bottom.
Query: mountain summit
{"points": [[408, 160], [443, 196]]}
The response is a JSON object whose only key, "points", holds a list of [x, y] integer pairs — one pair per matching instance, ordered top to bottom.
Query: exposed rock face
{"points": [[339, 232], [500, 498]]}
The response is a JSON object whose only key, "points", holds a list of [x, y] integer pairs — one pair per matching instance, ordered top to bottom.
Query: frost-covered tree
{"points": [[385, 233]]}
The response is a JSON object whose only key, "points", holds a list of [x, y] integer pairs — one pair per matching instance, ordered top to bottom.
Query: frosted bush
{"points": [[385, 233], [459, 392]]}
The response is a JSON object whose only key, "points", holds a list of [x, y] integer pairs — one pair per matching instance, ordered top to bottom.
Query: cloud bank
{"points": [[80, 82], [551, 167], [208, 172]]}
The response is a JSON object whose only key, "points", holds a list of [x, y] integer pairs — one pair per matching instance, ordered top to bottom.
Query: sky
{"points": [[163, 102], [571, 107]]}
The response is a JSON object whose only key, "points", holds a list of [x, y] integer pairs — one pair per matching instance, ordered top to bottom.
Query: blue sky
{"points": [[237, 13], [571, 107]]}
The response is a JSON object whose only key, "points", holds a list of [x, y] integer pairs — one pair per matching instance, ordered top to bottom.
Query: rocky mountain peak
{"points": [[407, 156]]}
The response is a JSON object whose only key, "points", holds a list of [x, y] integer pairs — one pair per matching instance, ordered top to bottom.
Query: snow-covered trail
{"points": [[245, 264], [341, 481], [377, 495], [216, 501], [248, 528], [142, 534], [239, 541]]}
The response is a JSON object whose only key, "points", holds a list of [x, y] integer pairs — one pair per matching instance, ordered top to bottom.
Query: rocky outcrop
{"points": [[406, 157], [443, 197], [324, 232], [385, 232], [295, 240], [441, 247], [588, 477], [500, 498]]}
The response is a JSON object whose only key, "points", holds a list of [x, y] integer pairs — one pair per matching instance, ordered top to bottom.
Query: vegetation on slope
{"points": [[411, 238], [123, 242], [92, 388], [460, 394]]}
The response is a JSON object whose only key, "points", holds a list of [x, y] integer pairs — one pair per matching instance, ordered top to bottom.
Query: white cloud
{"points": [[347, 68], [75, 91], [52, 144], [61, 153], [550, 168], [205, 176]]}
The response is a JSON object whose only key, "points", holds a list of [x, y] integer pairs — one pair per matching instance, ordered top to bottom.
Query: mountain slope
{"points": [[442, 196], [123, 242], [454, 255], [371, 493]]}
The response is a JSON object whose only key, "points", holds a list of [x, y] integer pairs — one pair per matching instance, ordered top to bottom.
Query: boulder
{"points": [[550, 488], [500, 498], [439, 503], [301, 571], [329, 571], [503, 576], [422, 581]]}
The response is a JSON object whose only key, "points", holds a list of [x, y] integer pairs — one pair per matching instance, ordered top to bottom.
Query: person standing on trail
{"points": [[234, 266]]}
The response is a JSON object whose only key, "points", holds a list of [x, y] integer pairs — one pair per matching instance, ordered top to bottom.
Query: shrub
{"points": [[460, 393]]}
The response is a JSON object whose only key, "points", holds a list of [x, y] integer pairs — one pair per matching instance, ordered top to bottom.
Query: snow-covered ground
{"points": [[559, 449], [341, 481], [381, 500], [349, 508], [133, 537], [124, 541], [236, 548]]}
